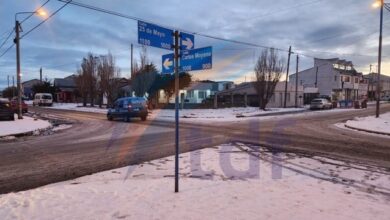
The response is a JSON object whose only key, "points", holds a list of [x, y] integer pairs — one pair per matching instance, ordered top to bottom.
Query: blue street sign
{"points": [[155, 36], [187, 41], [196, 59], [190, 60], [168, 64]]}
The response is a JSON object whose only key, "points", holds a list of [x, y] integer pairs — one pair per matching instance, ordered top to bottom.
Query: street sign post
{"points": [[155, 36], [190, 60]]}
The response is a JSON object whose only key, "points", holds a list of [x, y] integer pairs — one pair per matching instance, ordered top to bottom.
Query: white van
{"points": [[43, 99]]}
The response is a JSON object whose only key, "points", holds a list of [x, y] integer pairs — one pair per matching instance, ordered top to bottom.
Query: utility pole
{"points": [[176, 55], [131, 62], [288, 68], [18, 73], [40, 74], [8, 81], [369, 81], [296, 83], [315, 84], [13, 86], [378, 86]]}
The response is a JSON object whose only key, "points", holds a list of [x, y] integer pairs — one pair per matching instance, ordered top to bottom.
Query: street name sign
{"points": [[155, 36], [196, 59], [190, 60]]}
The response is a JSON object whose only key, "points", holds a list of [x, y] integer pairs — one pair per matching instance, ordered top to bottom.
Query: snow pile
{"points": [[78, 107], [222, 114], [371, 123], [25, 125], [218, 183]]}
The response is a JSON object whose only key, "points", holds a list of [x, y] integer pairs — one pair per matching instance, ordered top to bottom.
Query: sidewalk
{"points": [[371, 124], [22, 127], [215, 183]]}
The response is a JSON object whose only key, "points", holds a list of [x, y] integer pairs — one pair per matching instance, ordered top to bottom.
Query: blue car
{"points": [[128, 107]]}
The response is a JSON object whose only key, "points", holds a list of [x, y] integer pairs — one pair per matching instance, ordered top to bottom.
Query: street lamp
{"points": [[381, 4], [41, 13]]}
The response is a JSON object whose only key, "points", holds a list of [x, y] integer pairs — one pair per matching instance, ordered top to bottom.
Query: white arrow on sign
{"points": [[188, 43], [167, 63]]}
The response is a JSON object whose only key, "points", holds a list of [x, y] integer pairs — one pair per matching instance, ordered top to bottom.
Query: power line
{"points": [[54, 13], [179, 29], [197, 33], [6, 39], [9, 48]]}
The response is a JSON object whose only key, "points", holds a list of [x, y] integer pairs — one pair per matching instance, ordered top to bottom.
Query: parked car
{"points": [[45, 99], [320, 104], [14, 105], [128, 107], [6, 111]]}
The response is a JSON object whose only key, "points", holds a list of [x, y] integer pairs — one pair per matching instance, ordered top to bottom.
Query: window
{"points": [[335, 78], [346, 78], [356, 80], [190, 94], [202, 94], [288, 97]]}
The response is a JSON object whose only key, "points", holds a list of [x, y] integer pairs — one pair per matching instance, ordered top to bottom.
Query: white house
{"points": [[335, 78]]}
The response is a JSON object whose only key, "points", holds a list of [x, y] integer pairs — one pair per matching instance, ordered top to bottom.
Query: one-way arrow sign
{"points": [[187, 41], [167, 64]]}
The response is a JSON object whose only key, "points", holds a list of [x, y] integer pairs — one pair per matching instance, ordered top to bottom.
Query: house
{"points": [[334, 78], [371, 81], [27, 87], [66, 89], [198, 91], [245, 94]]}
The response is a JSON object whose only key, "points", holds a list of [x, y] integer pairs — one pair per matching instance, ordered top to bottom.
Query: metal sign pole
{"points": [[176, 111]]}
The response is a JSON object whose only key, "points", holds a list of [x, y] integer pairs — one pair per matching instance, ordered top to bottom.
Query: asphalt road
{"points": [[94, 144]]}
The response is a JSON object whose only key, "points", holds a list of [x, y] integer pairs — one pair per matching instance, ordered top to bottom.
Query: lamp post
{"points": [[381, 4], [18, 72]]}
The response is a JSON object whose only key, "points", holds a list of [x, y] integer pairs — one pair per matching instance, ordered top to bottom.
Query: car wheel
{"points": [[12, 117], [109, 117], [143, 118]]}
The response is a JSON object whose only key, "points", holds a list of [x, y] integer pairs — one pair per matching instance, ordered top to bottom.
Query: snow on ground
{"points": [[78, 107], [222, 114], [212, 115], [371, 123], [27, 124], [61, 127], [215, 184]]}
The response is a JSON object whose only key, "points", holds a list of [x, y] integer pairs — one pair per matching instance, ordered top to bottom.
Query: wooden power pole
{"points": [[288, 68]]}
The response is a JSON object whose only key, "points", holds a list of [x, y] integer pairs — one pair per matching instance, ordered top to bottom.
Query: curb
{"points": [[275, 113], [365, 130], [27, 133]]}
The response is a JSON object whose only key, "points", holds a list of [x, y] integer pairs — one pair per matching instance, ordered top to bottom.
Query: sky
{"points": [[347, 29]]}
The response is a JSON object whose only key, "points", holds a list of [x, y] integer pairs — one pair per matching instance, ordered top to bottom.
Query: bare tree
{"points": [[268, 70], [144, 75], [108, 79], [86, 80]]}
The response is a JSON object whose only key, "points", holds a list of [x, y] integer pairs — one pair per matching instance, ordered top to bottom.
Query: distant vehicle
{"points": [[325, 97], [385, 98], [43, 99], [320, 104], [14, 105], [128, 107], [6, 111]]}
